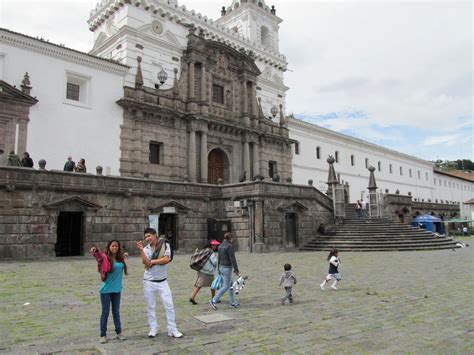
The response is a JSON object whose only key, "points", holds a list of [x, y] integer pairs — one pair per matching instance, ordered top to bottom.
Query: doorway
{"points": [[217, 167], [167, 227], [291, 230], [69, 234]]}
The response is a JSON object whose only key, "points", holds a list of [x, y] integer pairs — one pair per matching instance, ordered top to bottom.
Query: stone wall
{"points": [[31, 202], [403, 208]]}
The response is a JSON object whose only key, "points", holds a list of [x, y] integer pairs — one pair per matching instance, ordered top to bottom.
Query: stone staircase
{"points": [[377, 234]]}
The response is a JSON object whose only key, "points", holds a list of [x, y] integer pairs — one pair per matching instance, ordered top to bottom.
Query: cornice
{"points": [[180, 15], [56, 51], [370, 146]]}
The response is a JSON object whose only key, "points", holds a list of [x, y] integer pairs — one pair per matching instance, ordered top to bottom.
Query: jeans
{"points": [[226, 272], [288, 296], [106, 299]]}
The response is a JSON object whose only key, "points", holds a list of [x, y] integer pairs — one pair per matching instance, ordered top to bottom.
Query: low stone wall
{"points": [[118, 208], [403, 208]]}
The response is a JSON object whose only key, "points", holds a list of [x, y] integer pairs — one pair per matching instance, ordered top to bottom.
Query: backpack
{"points": [[160, 250], [199, 258]]}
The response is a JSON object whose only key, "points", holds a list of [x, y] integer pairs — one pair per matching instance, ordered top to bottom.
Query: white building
{"points": [[76, 113]]}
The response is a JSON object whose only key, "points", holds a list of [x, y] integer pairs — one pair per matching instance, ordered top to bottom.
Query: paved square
{"points": [[418, 302]]}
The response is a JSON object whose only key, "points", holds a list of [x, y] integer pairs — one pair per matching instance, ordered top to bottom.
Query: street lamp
{"points": [[162, 76], [274, 111]]}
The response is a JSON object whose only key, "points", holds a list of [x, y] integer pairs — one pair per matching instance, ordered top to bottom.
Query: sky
{"points": [[395, 73]]}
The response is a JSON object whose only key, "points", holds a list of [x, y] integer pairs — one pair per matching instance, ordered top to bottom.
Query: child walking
{"points": [[111, 265], [333, 273], [287, 280]]}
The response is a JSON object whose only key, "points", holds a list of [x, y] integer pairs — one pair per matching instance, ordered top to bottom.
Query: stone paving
{"points": [[388, 302]]}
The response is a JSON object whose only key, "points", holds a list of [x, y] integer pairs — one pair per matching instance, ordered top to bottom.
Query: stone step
{"points": [[358, 249]]}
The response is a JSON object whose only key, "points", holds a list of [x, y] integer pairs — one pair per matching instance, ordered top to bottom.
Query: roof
{"points": [[64, 47], [459, 174], [469, 202], [426, 218]]}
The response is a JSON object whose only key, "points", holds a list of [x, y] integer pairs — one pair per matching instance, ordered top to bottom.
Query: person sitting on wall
{"points": [[13, 159], [27, 162], [70, 165], [81, 166], [321, 229]]}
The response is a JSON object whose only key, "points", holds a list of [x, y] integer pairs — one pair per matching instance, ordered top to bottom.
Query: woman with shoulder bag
{"points": [[206, 274]]}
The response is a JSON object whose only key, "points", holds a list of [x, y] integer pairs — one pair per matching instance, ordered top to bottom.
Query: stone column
{"points": [[191, 81], [203, 82], [253, 100], [245, 104], [192, 155], [204, 157], [247, 157], [256, 163], [373, 205], [258, 243]]}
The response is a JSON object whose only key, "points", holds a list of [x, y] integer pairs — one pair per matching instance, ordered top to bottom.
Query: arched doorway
{"points": [[218, 167]]}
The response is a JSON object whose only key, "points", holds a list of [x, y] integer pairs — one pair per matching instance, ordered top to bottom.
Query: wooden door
{"points": [[216, 165]]}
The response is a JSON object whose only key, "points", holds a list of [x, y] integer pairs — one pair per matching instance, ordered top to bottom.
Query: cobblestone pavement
{"points": [[397, 302]]}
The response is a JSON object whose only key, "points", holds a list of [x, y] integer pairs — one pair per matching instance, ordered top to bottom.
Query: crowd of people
{"points": [[27, 162], [219, 263]]}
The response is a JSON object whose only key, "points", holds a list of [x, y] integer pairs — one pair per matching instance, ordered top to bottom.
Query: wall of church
{"points": [[88, 128], [32, 201]]}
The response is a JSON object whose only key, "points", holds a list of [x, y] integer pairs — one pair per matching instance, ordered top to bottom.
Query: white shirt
{"points": [[156, 272]]}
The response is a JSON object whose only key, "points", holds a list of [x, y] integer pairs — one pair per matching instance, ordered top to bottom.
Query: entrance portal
{"points": [[217, 167], [167, 227], [291, 230], [69, 238]]}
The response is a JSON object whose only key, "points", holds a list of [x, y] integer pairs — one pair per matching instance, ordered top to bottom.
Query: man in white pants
{"points": [[155, 257]]}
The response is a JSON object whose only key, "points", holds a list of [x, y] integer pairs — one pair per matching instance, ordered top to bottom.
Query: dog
{"points": [[239, 284]]}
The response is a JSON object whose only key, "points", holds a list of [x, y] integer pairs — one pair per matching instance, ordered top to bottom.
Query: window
{"points": [[78, 89], [72, 92], [218, 94], [297, 148], [318, 152], [156, 153], [336, 155], [352, 160], [366, 163], [379, 165], [272, 168], [390, 168], [401, 171], [409, 172], [426, 175], [419, 176], [434, 180], [444, 183]]}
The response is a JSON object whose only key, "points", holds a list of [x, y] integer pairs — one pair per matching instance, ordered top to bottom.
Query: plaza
{"points": [[387, 302]]}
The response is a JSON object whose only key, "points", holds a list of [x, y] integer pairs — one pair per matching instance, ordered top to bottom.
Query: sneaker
{"points": [[322, 287], [334, 287], [192, 301], [282, 301], [213, 305], [234, 305], [152, 333], [175, 334], [121, 337], [103, 340]]}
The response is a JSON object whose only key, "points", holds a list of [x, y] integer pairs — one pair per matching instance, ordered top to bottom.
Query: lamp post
{"points": [[162, 77]]}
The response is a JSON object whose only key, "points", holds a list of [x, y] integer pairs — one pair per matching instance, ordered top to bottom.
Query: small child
{"points": [[333, 273], [288, 279]]}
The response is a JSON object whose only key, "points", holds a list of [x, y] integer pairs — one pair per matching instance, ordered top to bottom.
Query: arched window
{"points": [[265, 37]]}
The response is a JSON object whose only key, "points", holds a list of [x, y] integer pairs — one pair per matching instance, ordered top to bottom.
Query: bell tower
{"points": [[254, 20]]}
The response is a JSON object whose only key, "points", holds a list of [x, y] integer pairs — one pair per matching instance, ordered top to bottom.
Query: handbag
{"points": [[199, 258], [217, 282]]}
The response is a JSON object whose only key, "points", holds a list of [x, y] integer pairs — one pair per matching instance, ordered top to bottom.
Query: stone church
{"points": [[205, 153]]}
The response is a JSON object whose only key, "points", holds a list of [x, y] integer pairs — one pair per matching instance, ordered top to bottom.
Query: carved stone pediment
{"points": [[10, 93], [72, 204], [294, 206], [170, 207]]}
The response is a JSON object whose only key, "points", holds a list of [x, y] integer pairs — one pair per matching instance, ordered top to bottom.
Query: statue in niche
{"points": [[221, 61], [228, 99], [276, 177]]}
